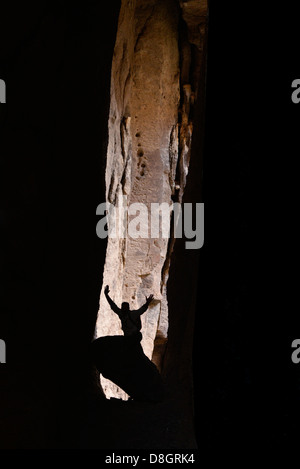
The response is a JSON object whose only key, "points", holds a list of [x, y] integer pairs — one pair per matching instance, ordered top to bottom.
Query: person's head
{"points": [[125, 306]]}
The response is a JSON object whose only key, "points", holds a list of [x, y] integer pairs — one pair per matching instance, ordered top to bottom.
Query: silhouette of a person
{"points": [[130, 319]]}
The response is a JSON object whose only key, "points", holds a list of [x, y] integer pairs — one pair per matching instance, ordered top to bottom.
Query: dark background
{"points": [[55, 58], [247, 303], [246, 387]]}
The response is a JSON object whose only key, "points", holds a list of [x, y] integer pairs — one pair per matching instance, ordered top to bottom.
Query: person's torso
{"points": [[131, 323]]}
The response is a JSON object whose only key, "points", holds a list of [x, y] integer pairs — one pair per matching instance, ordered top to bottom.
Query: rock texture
{"points": [[155, 74], [142, 158], [185, 306]]}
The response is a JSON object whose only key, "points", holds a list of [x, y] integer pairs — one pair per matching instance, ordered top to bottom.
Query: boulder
{"points": [[126, 365]]}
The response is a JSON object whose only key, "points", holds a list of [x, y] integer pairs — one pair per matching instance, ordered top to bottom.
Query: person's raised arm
{"points": [[113, 306], [145, 306]]}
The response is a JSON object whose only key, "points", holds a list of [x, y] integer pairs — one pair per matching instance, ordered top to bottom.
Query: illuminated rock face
{"points": [[148, 155], [141, 158]]}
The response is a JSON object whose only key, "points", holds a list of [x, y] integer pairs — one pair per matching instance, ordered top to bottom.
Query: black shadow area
{"points": [[247, 390]]}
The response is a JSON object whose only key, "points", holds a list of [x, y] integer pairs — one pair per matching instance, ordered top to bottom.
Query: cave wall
{"points": [[158, 79], [141, 160], [185, 289]]}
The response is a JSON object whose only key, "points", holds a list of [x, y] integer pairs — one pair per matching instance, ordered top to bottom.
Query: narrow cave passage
{"points": [[157, 65], [150, 134], [141, 162]]}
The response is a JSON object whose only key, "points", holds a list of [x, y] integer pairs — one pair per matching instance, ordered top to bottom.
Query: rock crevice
{"points": [[153, 90]]}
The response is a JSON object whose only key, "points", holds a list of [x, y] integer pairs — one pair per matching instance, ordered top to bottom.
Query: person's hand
{"points": [[106, 290], [149, 299]]}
